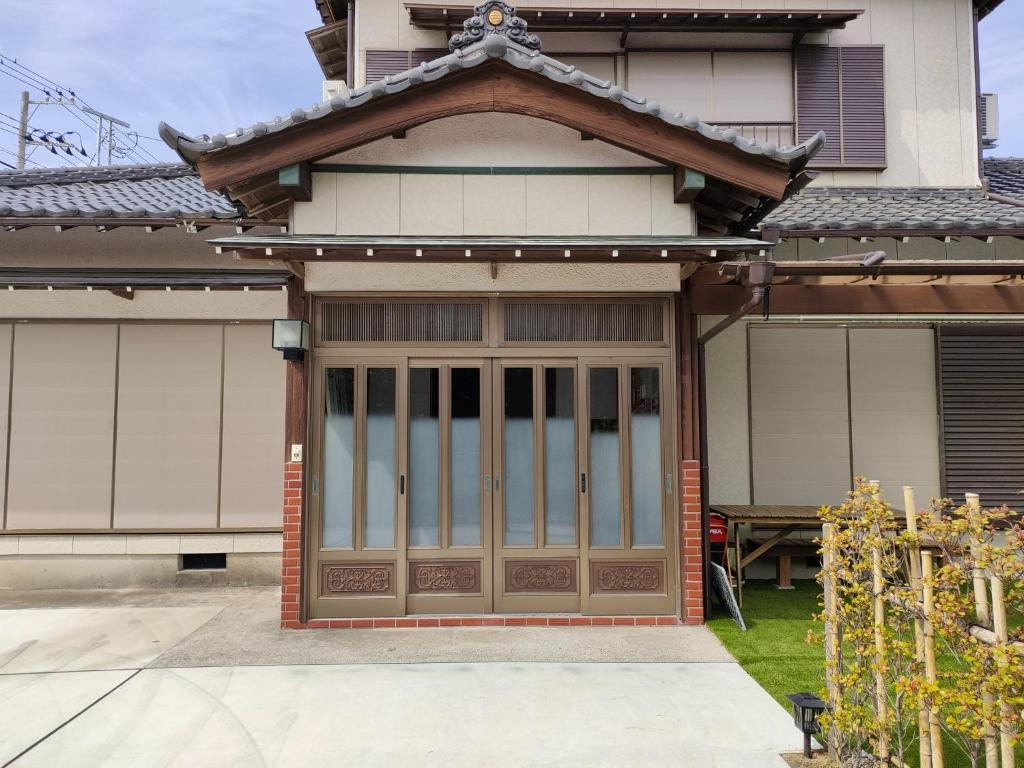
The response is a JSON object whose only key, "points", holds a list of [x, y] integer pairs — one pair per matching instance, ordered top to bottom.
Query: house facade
{"points": [[572, 275]]}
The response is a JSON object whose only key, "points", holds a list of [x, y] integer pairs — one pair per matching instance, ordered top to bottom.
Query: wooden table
{"points": [[786, 518]]}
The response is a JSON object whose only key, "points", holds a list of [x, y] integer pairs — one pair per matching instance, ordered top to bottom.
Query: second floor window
{"points": [[840, 90]]}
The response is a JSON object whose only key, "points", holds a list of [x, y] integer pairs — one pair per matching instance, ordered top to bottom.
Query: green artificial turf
{"points": [[773, 650], [775, 653]]}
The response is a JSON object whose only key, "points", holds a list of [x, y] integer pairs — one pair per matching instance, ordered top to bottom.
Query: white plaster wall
{"points": [[491, 140], [446, 204], [322, 277], [25, 304], [727, 413], [891, 428]]}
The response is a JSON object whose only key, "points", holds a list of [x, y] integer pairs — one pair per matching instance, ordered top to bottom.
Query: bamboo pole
{"points": [[980, 589], [831, 633], [1002, 633], [930, 668], [881, 697], [924, 740]]}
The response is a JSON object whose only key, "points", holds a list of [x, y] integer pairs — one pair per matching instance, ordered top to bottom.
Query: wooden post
{"points": [[914, 556], [980, 589], [1002, 635], [832, 650], [930, 669], [881, 697]]}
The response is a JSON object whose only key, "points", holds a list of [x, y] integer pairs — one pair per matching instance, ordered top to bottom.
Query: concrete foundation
{"points": [[27, 571]]}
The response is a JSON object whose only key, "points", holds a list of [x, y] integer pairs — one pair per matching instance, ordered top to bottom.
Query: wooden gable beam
{"points": [[494, 87], [688, 184]]}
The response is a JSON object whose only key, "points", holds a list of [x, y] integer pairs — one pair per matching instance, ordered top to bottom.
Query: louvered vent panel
{"points": [[421, 55], [379, 64], [863, 94], [817, 98], [396, 322], [584, 322], [982, 384]]}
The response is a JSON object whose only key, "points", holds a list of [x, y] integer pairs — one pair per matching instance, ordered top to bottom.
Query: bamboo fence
{"points": [[991, 629]]}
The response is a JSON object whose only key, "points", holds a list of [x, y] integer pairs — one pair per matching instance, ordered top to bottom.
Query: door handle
{"points": [[497, 482], [583, 482], [487, 483], [668, 483], [401, 485]]}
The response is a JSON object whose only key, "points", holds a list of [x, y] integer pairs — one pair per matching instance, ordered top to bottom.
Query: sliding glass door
{"points": [[510, 485]]}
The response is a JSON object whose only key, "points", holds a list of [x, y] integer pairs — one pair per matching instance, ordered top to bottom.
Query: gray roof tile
{"points": [[493, 45], [1005, 176], [168, 191], [899, 208]]}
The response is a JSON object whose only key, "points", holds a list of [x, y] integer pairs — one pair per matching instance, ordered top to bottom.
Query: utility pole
{"points": [[111, 122], [22, 130]]}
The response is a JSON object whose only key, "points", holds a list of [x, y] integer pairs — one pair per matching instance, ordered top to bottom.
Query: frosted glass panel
{"points": [[338, 451], [645, 456], [380, 457], [424, 457], [559, 457], [518, 471], [465, 472], [605, 484]]}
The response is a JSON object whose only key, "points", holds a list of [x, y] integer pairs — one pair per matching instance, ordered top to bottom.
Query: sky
{"points": [[208, 66]]}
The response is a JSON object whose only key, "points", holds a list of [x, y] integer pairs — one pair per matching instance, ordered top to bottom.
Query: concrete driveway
{"points": [[117, 681]]}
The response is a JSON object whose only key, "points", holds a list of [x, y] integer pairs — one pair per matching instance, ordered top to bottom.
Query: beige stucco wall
{"points": [[929, 72], [570, 202], [499, 205], [476, 276], [793, 379], [164, 426]]}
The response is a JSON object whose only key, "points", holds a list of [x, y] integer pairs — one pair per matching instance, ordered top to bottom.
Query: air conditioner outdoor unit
{"points": [[334, 88], [989, 120]]}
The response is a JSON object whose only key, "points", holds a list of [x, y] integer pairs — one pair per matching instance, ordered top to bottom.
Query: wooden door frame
{"points": [[445, 555]]}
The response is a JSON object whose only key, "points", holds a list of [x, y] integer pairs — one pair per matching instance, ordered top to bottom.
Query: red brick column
{"points": [[291, 551], [691, 560]]}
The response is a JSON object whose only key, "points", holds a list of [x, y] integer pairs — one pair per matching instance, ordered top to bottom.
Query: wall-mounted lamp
{"points": [[291, 337]]}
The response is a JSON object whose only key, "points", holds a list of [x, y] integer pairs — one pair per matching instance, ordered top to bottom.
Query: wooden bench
{"points": [[784, 550]]}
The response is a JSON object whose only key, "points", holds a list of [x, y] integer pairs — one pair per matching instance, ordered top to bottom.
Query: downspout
{"points": [[977, 101], [759, 276]]}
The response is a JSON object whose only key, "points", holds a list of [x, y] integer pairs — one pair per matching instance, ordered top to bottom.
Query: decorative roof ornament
{"points": [[494, 18]]}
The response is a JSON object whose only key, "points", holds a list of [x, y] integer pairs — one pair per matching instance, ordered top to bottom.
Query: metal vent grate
{"points": [[396, 321], [594, 322]]}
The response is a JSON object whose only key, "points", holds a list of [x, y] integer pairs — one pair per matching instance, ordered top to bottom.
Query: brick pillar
{"points": [[291, 552], [692, 564]]}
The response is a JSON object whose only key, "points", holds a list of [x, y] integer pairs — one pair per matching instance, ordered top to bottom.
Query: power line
{"points": [[33, 79], [15, 154]]}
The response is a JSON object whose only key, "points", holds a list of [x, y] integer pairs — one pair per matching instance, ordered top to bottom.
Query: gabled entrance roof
{"points": [[498, 67]]}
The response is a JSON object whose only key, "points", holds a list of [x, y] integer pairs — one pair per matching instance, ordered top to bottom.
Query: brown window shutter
{"points": [[426, 54], [380, 64], [841, 90], [863, 97], [817, 98], [981, 377]]}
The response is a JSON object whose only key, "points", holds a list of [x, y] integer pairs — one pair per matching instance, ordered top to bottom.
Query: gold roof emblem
{"points": [[495, 17]]}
